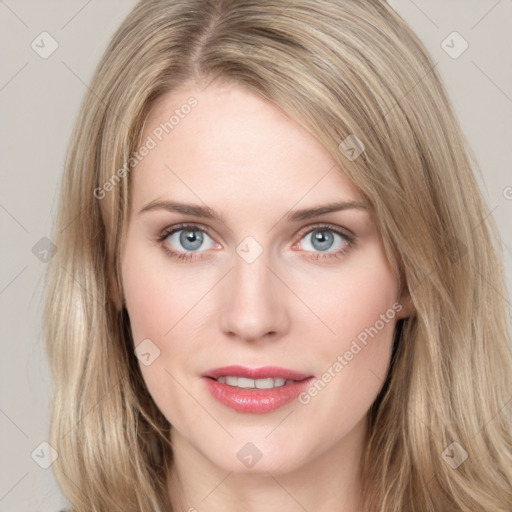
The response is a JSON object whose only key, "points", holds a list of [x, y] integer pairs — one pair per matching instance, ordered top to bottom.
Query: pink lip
{"points": [[255, 373], [255, 401]]}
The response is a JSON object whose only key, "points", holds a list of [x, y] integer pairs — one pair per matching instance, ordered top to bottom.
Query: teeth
{"points": [[243, 382]]}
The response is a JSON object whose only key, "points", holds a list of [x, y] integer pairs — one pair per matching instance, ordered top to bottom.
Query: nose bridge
{"points": [[255, 306]]}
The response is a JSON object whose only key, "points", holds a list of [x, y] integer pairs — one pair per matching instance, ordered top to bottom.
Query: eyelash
{"points": [[184, 256]]}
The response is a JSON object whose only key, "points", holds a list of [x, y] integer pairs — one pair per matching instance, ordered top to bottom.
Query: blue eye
{"points": [[190, 238], [320, 239], [323, 239]]}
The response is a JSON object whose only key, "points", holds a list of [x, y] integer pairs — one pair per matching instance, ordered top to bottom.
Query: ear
{"points": [[114, 291], [407, 306]]}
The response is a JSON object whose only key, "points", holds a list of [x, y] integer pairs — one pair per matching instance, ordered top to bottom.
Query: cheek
{"points": [[156, 298], [367, 299], [355, 300], [160, 303], [360, 308], [362, 313]]}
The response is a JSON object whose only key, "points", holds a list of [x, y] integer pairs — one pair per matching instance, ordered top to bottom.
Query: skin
{"points": [[236, 153]]}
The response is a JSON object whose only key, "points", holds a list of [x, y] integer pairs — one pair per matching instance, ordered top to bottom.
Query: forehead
{"points": [[228, 143]]}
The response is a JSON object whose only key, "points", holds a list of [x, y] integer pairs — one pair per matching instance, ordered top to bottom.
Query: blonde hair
{"points": [[340, 68]]}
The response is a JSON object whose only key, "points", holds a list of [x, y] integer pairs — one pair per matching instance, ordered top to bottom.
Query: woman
{"points": [[281, 284]]}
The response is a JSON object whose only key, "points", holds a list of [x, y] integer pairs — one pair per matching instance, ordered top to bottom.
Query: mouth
{"points": [[255, 390]]}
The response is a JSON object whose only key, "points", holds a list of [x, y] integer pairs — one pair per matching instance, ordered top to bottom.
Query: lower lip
{"points": [[253, 400]]}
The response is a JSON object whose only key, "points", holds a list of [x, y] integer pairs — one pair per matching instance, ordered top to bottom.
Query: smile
{"points": [[244, 382], [255, 390]]}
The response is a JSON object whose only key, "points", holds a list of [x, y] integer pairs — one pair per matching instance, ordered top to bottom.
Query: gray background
{"points": [[39, 101]]}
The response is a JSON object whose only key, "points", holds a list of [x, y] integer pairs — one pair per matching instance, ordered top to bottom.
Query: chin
{"points": [[243, 456]]}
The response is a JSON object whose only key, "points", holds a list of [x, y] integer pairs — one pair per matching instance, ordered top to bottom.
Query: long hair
{"points": [[347, 70]]}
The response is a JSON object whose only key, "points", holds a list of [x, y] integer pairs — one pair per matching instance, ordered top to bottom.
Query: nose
{"points": [[253, 302]]}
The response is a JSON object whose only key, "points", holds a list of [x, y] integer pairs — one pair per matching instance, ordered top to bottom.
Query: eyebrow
{"points": [[207, 213]]}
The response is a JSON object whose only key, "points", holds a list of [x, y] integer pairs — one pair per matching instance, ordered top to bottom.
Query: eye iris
{"points": [[324, 237], [191, 240]]}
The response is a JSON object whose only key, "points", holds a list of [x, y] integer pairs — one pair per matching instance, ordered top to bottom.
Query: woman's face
{"points": [[258, 283]]}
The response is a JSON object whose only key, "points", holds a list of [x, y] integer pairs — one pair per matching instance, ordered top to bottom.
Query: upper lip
{"points": [[263, 372]]}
